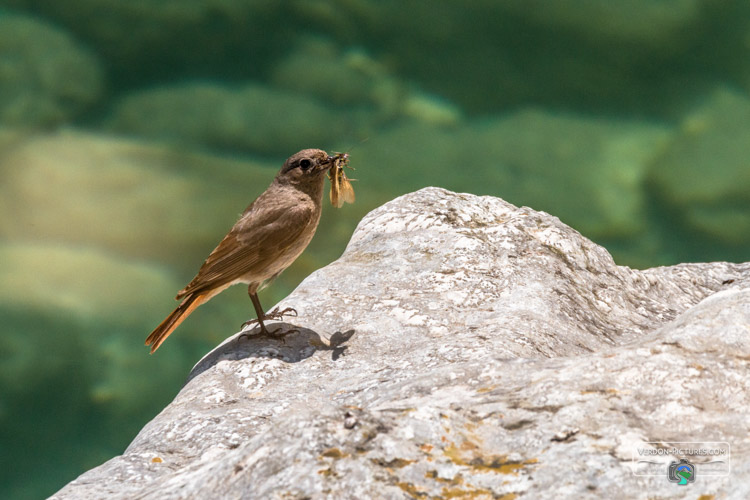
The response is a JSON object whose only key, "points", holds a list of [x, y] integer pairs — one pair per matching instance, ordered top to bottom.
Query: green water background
{"points": [[132, 134]]}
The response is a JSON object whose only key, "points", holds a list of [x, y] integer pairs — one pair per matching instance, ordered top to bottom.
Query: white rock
{"points": [[528, 386]]}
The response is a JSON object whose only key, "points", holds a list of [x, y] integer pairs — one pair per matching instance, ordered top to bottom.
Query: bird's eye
{"points": [[305, 164]]}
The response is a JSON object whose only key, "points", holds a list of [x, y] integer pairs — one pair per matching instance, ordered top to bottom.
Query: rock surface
{"points": [[460, 346]]}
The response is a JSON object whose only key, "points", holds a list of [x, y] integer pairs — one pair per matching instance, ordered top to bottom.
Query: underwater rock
{"points": [[662, 25], [149, 41], [637, 57], [317, 67], [46, 77], [353, 77], [431, 109], [251, 118], [410, 154], [588, 171], [703, 178], [140, 200], [79, 281], [97, 293], [460, 346], [74, 373]]}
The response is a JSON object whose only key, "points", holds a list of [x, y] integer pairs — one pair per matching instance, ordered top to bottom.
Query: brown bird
{"points": [[270, 235]]}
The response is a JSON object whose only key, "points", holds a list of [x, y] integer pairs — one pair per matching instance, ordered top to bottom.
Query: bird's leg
{"points": [[258, 311], [275, 314]]}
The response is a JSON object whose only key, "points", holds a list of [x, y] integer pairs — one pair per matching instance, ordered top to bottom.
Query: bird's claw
{"points": [[276, 314], [273, 315], [248, 323], [272, 334]]}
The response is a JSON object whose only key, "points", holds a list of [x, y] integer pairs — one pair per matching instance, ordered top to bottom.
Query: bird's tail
{"points": [[167, 326]]}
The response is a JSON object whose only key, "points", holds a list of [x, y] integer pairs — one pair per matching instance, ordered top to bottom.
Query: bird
{"points": [[269, 235]]}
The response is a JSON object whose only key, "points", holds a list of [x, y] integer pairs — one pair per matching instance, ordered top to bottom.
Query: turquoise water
{"points": [[132, 134]]}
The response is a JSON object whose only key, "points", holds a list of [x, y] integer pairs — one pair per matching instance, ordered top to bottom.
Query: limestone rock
{"points": [[460, 346]]}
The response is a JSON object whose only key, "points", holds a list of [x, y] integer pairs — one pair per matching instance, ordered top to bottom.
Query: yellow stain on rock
{"points": [[489, 388], [333, 453], [396, 463], [479, 463], [412, 490]]}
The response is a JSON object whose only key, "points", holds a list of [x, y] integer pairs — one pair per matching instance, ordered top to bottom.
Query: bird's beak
{"points": [[337, 156], [329, 162]]}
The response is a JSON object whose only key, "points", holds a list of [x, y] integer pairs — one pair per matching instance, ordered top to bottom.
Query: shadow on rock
{"points": [[289, 343], [336, 344]]}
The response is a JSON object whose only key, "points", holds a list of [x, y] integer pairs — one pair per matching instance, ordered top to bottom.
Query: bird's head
{"points": [[305, 167]]}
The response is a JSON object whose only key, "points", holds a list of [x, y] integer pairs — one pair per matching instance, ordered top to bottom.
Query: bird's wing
{"points": [[253, 244]]}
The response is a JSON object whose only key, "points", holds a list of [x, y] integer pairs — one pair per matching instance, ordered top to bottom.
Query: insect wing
{"points": [[335, 185], [347, 191]]}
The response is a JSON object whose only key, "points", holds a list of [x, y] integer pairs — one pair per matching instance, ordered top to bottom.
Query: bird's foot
{"points": [[275, 314], [271, 334]]}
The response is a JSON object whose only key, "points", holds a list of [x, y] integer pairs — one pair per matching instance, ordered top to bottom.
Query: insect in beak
{"points": [[341, 187]]}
